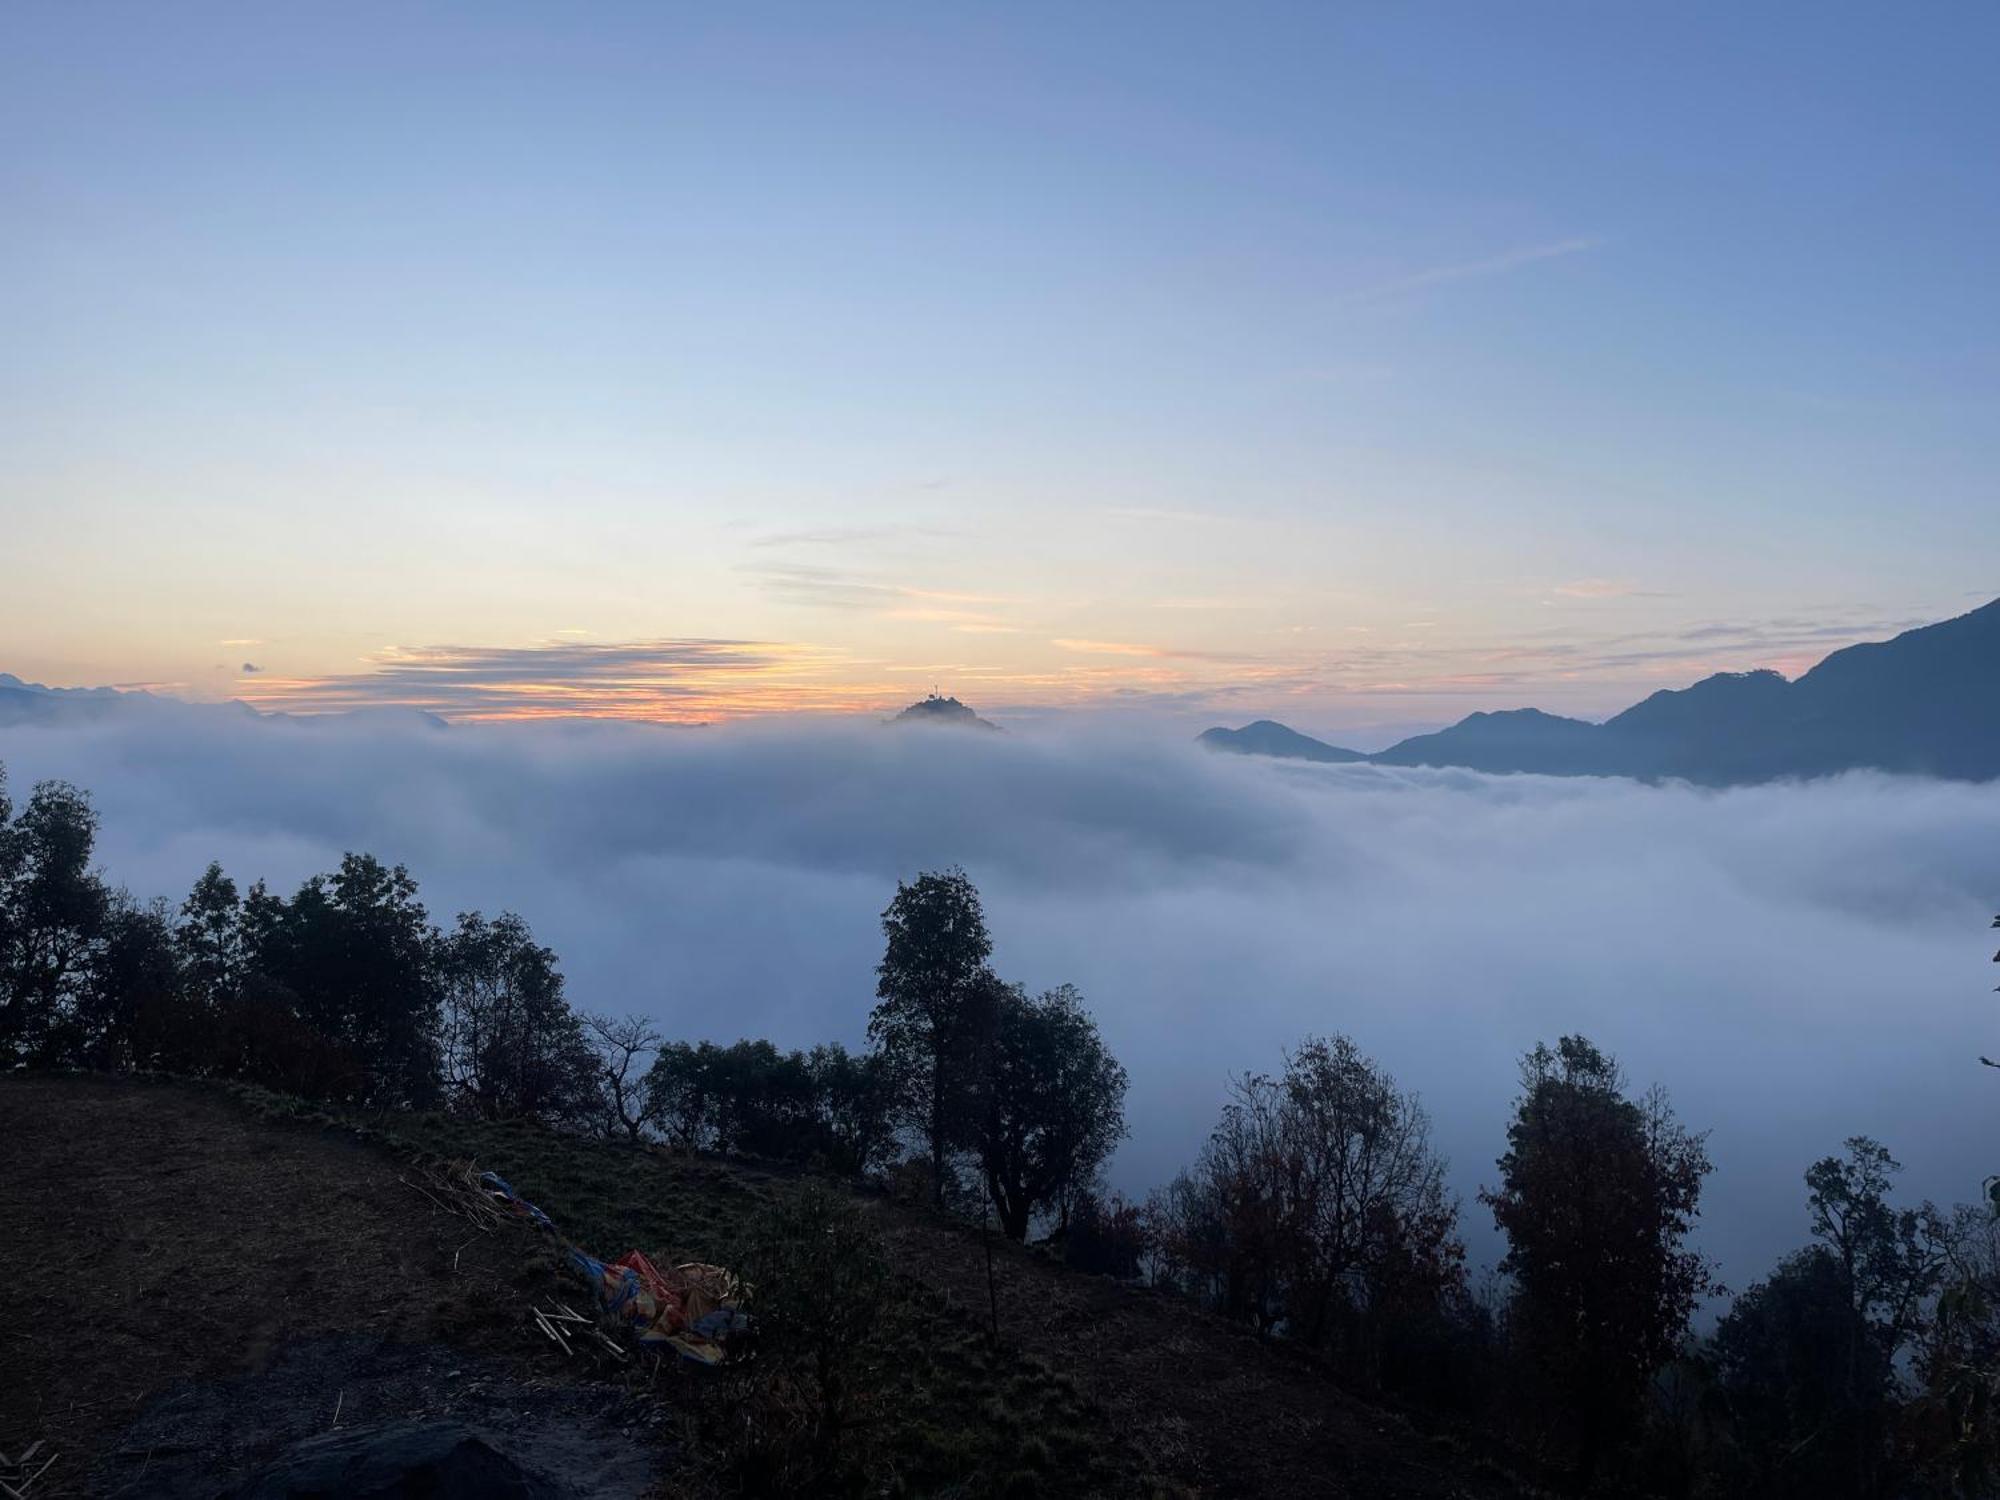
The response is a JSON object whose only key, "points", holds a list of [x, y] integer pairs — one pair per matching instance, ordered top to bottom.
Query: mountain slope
{"points": [[1925, 703], [937, 710], [1268, 737], [1514, 739]]}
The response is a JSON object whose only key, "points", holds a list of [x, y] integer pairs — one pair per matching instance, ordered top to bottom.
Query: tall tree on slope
{"points": [[934, 1012], [1598, 1194]]}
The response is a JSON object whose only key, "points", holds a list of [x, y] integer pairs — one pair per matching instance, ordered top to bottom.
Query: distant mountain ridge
{"points": [[31, 703], [1925, 703], [1269, 737]]}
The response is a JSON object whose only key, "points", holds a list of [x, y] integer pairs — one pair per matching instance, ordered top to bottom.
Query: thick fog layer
{"points": [[1795, 964]]}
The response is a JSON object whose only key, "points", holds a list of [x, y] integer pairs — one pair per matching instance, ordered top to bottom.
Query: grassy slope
{"points": [[218, 1225], [1096, 1388], [958, 1415]]}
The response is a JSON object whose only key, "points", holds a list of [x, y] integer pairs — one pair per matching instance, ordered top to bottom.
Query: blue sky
{"points": [[1358, 364]]}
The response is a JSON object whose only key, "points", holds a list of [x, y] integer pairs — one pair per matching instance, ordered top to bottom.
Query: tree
{"points": [[11, 855], [52, 912], [209, 937], [353, 958], [935, 1001], [133, 1008], [622, 1043], [510, 1044], [682, 1084], [853, 1100], [765, 1102], [1054, 1105], [826, 1106], [1598, 1194], [1318, 1205], [1375, 1226], [1188, 1235], [1106, 1237], [1890, 1263], [1781, 1360], [1959, 1362]]}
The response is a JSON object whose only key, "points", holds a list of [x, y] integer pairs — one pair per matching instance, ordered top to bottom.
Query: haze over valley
{"points": [[1795, 963]]}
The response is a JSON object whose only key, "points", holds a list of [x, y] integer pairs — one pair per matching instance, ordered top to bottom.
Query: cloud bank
{"points": [[1795, 963]]}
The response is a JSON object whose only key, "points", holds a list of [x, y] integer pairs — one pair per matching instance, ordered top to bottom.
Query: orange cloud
{"points": [[658, 681]]}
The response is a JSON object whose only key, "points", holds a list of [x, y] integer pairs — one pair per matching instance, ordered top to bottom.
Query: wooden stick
{"points": [[550, 1329]]}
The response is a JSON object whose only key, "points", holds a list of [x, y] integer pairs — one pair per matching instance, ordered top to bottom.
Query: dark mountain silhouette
{"points": [[30, 703], [1924, 703], [934, 709], [1268, 737], [1512, 739]]}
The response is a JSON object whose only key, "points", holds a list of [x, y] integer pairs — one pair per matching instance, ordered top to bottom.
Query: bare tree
{"points": [[624, 1046], [1317, 1206]]}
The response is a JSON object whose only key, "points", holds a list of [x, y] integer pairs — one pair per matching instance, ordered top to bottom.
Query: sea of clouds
{"points": [[1794, 963]]}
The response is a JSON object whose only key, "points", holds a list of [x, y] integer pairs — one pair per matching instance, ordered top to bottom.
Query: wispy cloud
{"points": [[1473, 270], [846, 536], [818, 587], [1605, 588], [1107, 648]]}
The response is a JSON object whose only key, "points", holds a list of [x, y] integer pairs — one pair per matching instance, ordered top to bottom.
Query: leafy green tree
{"points": [[52, 913], [209, 938], [354, 959], [134, 1009], [934, 1012], [509, 1042], [682, 1085], [765, 1102], [853, 1102], [825, 1106], [1054, 1106], [1597, 1196], [1106, 1236], [1891, 1261], [1811, 1359], [1781, 1360], [1958, 1360]]}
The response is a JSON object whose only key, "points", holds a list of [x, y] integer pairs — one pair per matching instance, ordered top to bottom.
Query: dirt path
{"points": [[155, 1235], [1204, 1401]]}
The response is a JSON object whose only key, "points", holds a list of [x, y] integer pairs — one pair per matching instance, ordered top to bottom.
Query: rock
{"points": [[435, 1460]]}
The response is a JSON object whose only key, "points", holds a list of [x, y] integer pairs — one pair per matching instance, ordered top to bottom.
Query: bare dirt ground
{"points": [[156, 1236]]}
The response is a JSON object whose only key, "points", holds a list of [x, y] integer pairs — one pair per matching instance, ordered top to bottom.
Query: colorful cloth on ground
{"points": [[496, 1185], [689, 1309]]}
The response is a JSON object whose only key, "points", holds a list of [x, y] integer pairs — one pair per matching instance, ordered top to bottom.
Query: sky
{"points": [[1358, 365]]}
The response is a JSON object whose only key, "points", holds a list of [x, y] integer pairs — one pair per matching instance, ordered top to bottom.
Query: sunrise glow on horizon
{"points": [[688, 367]]}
